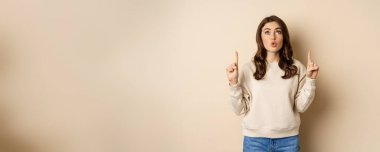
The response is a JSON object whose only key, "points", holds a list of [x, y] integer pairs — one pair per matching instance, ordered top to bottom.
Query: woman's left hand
{"points": [[312, 68]]}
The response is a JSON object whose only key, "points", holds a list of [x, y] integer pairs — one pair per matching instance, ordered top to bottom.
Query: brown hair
{"points": [[286, 52]]}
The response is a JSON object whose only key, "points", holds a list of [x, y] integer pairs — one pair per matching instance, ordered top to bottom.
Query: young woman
{"points": [[272, 90]]}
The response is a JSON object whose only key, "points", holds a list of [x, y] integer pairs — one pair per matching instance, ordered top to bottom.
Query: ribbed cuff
{"points": [[311, 81]]}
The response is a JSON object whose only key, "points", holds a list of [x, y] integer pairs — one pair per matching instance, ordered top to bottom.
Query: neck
{"points": [[273, 57]]}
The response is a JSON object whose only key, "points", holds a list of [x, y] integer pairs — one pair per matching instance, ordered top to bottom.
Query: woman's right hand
{"points": [[233, 71]]}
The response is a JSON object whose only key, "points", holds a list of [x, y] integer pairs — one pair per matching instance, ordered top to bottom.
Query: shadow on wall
{"points": [[318, 109], [313, 116], [10, 141]]}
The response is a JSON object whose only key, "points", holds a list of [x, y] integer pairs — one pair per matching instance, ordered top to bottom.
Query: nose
{"points": [[273, 36]]}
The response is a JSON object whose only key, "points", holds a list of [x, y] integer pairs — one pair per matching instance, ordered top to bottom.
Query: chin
{"points": [[273, 50]]}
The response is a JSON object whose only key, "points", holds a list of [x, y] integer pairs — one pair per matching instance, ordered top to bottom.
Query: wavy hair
{"points": [[286, 51]]}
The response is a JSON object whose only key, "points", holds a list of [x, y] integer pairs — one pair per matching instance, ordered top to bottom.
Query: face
{"points": [[271, 34]]}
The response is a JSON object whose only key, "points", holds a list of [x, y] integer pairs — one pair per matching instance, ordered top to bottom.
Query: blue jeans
{"points": [[258, 144]]}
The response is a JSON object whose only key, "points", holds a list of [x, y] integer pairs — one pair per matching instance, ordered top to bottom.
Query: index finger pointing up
{"points": [[309, 57], [236, 58]]}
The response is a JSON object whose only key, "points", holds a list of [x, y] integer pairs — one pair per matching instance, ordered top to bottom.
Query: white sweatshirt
{"points": [[271, 106]]}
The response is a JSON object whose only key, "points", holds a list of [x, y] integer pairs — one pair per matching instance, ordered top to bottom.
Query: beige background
{"points": [[149, 76]]}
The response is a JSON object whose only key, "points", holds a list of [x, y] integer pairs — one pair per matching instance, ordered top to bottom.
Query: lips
{"points": [[273, 44]]}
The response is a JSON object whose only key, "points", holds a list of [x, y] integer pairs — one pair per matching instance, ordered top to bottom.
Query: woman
{"points": [[272, 90]]}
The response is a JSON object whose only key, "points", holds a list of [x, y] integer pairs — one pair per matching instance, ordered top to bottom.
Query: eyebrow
{"points": [[270, 29]]}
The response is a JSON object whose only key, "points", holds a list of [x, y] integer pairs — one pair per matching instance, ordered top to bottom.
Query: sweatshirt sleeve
{"points": [[305, 92], [239, 96]]}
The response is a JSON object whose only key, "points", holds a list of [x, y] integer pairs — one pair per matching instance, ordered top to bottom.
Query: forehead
{"points": [[271, 25]]}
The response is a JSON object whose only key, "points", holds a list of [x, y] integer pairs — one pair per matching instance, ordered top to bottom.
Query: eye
{"points": [[266, 32], [279, 32]]}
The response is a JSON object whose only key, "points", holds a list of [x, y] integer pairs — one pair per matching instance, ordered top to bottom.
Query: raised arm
{"points": [[306, 87], [239, 96]]}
